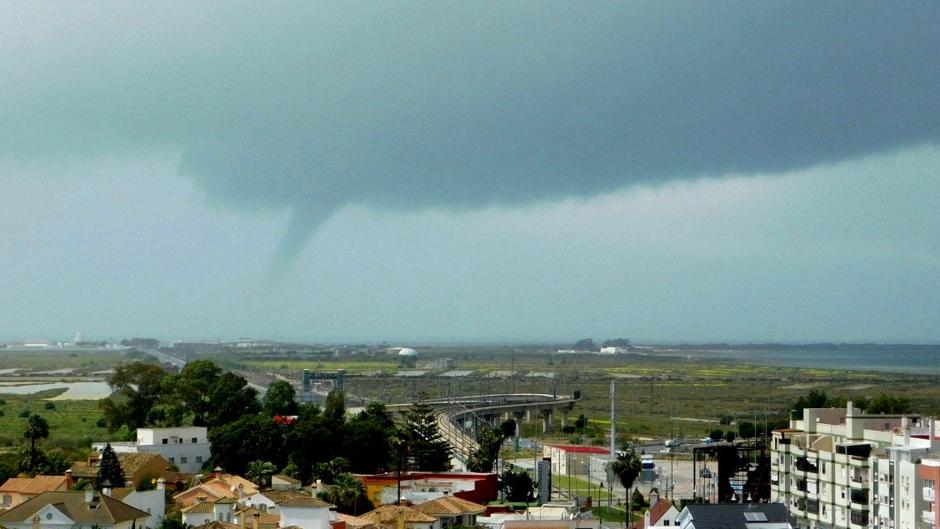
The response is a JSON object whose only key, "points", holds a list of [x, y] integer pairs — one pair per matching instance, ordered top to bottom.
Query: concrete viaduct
{"points": [[458, 418]]}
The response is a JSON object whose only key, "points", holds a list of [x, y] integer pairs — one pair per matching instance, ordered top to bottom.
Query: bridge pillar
{"points": [[518, 415], [528, 415], [505, 416], [564, 419], [546, 420]]}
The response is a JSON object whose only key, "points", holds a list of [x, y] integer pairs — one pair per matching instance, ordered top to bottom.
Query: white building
{"points": [[187, 447], [843, 468], [153, 502]]}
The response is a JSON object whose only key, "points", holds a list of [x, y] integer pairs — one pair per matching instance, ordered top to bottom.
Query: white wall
{"points": [[149, 501], [306, 517]]}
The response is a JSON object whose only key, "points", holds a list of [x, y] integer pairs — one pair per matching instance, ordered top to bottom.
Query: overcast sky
{"points": [[432, 171]]}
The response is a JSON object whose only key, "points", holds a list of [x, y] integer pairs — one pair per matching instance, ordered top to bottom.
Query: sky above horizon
{"points": [[437, 172]]}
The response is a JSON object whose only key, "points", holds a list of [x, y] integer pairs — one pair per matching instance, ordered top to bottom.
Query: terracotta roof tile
{"points": [[36, 485], [449, 505], [657, 511], [391, 514], [355, 521]]}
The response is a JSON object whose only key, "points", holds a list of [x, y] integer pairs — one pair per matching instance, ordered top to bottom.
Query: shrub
{"points": [[49, 405], [23, 413]]}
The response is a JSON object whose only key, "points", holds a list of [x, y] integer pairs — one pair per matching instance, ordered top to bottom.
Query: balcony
{"points": [[805, 465], [858, 481], [928, 494], [860, 497], [928, 517], [859, 518]]}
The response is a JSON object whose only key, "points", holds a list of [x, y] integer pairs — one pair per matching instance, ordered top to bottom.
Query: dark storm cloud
{"points": [[409, 105]]}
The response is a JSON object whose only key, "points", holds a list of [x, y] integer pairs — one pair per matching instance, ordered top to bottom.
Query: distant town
{"points": [[266, 435]]}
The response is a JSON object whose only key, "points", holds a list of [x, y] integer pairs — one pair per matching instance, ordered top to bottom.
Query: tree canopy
{"points": [[428, 450], [109, 469]]}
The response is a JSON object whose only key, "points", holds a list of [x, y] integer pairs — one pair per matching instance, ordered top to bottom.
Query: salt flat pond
{"points": [[78, 390]]}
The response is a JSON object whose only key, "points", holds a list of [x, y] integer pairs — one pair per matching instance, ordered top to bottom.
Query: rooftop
{"points": [[107, 510]]}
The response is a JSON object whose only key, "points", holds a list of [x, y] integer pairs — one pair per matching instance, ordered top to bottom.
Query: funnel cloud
{"points": [[455, 106]]}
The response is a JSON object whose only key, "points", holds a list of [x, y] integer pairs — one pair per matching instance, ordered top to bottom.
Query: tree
{"points": [[585, 344], [137, 389], [188, 392], [230, 398], [279, 399], [813, 399], [884, 403], [581, 422], [508, 428], [36, 429], [746, 429], [717, 434], [729, 436], [490, 440], [367, 441], [237, 443], [429, 451], [627, 468], [109, 469], [260, 472], [327, 472], [518, 486], [348, 494], [637, 498]]}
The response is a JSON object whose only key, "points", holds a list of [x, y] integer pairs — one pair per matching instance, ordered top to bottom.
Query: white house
{"points": [[186, 447], [153, 502], [73, 510], [203, 512], [307, 512], [662, 513]]}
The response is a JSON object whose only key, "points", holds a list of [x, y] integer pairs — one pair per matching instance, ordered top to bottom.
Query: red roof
{"points": [[581, 449], [657, 511]]}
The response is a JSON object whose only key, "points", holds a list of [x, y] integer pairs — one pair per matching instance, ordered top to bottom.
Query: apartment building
{"points": [[186, 447], [843, 468]]}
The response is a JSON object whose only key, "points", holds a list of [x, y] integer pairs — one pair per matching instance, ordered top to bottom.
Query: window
{"points": [[194, 440], [164, 441], [182, 459], [199, 459], [172, 460], [7, 500]]}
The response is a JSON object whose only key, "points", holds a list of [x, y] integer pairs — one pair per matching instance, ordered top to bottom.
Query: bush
{"points": [[49, 405], [23, 413], [725, 419], [101, 422], [569, 429], [717, 435]]}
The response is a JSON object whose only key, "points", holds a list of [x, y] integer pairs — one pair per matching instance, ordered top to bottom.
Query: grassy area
{"points": [[81, 361], [72, 423], [580, 487], [615, 513]]}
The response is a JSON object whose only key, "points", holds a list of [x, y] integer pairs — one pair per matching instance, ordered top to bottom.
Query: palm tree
{"points": [[36, 428], [627, 467], [260, 472], [347, 492]]}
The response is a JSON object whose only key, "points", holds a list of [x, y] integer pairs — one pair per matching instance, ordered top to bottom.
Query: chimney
{"points": [[906, 427], [68, 479], [161, 484], [89, 495], [654, 497], [241, 519], [35, 521], [255, 522]]}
